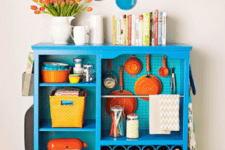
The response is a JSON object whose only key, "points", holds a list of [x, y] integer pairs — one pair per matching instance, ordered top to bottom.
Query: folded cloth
{"points": [[67, 91], [169, 112], [154, 115]]}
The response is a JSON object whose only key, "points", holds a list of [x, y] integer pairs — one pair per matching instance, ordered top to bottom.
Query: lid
{"points": [[77, 60], [88, 65], [117, 108], [132, 116]]}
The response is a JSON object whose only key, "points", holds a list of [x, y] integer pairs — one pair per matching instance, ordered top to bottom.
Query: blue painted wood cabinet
{"points": [[97, 123]]}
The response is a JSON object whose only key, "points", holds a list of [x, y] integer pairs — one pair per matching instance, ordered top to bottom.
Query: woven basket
{"points": [[67, 111]]}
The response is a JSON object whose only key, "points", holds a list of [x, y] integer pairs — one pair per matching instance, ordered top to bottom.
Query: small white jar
{"points": [[132, 126]]}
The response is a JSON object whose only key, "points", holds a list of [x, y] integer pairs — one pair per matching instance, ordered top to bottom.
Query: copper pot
{"points": [[133, 66]]}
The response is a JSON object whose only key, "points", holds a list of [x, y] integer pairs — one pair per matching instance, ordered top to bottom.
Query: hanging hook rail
{"points": [[128, 96]]}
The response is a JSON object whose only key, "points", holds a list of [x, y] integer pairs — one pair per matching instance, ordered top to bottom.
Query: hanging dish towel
{"points": [[169, 112], [154, 115], [191, 128]]}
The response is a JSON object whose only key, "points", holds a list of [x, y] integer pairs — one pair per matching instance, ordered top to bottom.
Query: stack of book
{"points": [[140, 30]]}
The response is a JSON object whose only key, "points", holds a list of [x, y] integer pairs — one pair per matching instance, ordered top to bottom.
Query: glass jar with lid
{"points": [[118, 117], [132, 126]]}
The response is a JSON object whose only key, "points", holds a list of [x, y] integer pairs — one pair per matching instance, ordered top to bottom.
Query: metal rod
{"points": [[128, 96]]}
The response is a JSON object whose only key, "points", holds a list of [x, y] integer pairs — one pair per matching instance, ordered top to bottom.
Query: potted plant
{"points": [[63, 12]]}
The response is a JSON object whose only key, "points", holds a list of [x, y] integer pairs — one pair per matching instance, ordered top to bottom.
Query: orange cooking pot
{"points": [[133, 66], [57, 76], [62, 144]]}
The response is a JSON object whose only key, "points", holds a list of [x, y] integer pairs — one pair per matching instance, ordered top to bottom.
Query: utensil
{"points": [[126, 4], [95, 29], [79, 33], [133, 66], [164, 71], [110, 78], [148, 84], [192, 84], [173, 87], [129, 104]]}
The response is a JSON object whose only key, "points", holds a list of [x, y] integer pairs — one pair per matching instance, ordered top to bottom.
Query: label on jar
{"points": [[109, 83], [132, 129]]}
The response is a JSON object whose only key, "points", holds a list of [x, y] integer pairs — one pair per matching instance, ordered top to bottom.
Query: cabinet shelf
{"points": [[69, 84], [89, 125], [144, 139]]}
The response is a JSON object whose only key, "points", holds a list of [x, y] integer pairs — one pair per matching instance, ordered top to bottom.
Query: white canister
{"points": [[79, 33], [96, 34], [132, 126]]}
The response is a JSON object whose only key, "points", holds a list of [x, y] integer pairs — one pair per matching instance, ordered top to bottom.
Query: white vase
{"points": [[60, 29]]}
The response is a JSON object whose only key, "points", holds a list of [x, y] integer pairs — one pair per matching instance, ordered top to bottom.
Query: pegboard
{"points": [[143, 106]]}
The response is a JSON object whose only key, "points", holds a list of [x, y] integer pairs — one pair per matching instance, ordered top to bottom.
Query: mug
{"points": [[95, 29], [79, 33]]}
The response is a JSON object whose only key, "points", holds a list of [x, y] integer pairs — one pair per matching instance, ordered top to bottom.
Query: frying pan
{"points": [[148, 84], [129, 104]]}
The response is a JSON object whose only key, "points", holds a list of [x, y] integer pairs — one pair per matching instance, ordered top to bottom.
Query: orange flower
{"points": [[35, 1], [41, 1], [47, 1], [78, 1], [88, 1], [72, 2], [63, 3], [46, 4], [33, 7], [42, 8], [89, 9], [37, 12]]}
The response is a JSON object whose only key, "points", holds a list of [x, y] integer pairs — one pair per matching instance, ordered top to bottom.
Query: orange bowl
{"points": [[55, 76]]}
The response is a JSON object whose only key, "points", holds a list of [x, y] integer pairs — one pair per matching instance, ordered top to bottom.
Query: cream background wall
{"points": [[199, 23]]}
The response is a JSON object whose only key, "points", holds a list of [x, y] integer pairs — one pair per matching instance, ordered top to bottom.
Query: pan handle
{"points": [[164, 62], [109, 63], [148, 63], [121, 77]]}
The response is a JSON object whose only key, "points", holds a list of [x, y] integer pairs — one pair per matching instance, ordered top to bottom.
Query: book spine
{"points": [[127, 22], [143, 27], [156, 27], [133, 28], [150, 28], [129, 29], [140, 29], [146, 29], [153, 29], [160, 29], [164, 29], [114, 30], [121, 30], [124, 30], [137, 31], [118, 32]]}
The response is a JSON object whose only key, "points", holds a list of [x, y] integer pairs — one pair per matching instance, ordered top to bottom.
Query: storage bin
{"points": [[67, 111]]}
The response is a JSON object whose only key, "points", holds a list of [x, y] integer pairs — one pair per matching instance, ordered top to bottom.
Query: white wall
{"points": [[198, 23]]}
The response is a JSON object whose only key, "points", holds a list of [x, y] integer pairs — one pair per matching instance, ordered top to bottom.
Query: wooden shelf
{"points": [[89, 125]]}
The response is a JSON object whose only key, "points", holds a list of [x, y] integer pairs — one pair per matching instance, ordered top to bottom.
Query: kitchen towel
{"points": [[169, 112], [154, 115], [191, 127]]}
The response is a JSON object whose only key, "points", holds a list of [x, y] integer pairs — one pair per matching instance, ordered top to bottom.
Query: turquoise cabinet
{"points": [[97, 123]]}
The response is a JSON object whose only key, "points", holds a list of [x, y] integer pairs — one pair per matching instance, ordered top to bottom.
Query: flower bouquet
{"points": [[60, 8]]}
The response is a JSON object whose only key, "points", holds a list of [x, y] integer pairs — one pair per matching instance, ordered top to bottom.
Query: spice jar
{"points": [[78, 68], [117, 126], [132, 126]]}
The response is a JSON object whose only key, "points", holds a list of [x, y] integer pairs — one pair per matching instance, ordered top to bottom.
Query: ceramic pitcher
{"points": [[60, 29]]}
